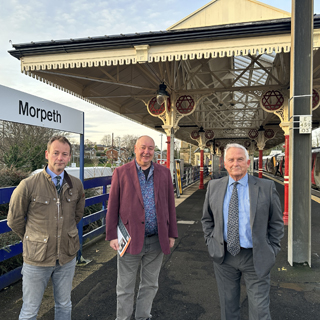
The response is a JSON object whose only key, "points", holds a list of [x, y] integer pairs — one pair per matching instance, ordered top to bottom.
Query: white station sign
{"points": [[21, 107], [305, 124]]}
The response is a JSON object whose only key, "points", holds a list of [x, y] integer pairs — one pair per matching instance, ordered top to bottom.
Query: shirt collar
{"points": [[139, 168], [53, 175], [243, 181]]}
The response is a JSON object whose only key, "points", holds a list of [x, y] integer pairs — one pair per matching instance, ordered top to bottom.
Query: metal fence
{"points": [[191, 175], [16, 249]]}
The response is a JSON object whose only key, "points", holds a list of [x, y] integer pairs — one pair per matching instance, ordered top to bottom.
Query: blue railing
{"points": [[190, 175], [101, 198], [16, 249]]}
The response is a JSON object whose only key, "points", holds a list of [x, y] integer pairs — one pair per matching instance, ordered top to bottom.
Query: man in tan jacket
{"points": [[44, 211]]}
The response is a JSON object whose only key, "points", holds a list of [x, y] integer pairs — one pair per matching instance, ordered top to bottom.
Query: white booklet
{"points": [[123, 237]]}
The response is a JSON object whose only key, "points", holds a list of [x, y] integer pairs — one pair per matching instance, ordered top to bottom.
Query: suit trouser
{"points": [[150, 260], [228, 276]]}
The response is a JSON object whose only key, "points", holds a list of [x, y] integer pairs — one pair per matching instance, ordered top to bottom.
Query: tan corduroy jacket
{"points": [[46, 222]]}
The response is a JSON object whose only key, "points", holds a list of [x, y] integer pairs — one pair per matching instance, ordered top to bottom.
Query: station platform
{"points": [[188, 288]]}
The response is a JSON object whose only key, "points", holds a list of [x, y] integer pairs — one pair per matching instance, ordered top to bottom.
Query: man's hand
{"points": [[171, 242], [114, 244]]}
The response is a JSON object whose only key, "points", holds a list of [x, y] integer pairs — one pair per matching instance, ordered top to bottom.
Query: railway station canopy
{"points": [[222, 58]]}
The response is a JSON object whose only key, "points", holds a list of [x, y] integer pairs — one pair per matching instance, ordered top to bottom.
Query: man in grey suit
{"points": [[243, 226]]}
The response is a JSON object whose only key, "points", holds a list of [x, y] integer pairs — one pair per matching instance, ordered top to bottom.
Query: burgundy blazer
{"points": [[125, 199]]}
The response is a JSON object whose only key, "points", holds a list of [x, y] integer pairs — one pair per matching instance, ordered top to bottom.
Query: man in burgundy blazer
{"points": [[142, 196]]}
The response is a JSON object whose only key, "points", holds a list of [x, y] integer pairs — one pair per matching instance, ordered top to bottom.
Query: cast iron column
{"points": [[168, 151], [260, 163], [286, 181], [201, 185], [299, 225]]}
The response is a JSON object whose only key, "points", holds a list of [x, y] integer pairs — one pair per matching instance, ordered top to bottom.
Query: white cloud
{"points": [[34, 20]]}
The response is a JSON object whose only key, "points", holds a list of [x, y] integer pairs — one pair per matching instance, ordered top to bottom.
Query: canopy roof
{"points": [[218, 12], [225, 68]]}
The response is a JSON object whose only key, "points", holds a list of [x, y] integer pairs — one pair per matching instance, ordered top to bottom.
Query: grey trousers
{"points": [[150, 260], [228, 276]]}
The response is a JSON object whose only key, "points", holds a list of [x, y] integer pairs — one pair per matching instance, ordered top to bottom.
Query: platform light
{"points": [[162, 94]]}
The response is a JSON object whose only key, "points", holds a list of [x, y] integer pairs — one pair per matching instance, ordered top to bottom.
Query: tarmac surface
{"points": [[188, 288]]}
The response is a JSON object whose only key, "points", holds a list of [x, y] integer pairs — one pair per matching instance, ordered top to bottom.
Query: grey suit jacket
{"points": [[265, 220]]}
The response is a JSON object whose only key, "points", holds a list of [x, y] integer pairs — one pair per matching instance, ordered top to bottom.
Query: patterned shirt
{"points": [[147, 190]]}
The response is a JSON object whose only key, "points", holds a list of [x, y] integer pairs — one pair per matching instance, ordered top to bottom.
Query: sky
{"points": [[24, 21]]}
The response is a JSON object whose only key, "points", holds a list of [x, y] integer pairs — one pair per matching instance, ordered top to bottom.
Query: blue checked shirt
{"points": [[147, 190]]}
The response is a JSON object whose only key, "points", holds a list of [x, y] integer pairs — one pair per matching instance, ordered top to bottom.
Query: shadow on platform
{"points": [[187, 289]]}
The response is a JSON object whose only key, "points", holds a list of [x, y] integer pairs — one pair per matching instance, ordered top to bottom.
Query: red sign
{"points": [[162, 162]]}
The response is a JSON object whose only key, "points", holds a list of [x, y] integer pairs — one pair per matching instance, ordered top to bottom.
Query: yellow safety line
{"points": [[274, 179], [314, 198]]}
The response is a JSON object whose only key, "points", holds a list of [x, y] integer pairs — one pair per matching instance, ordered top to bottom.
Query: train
{"points": [[270, 162], [273, 163], [315, 168]]}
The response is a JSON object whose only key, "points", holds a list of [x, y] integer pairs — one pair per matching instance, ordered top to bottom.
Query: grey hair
{"points": [[144, 137], [235, 145]]}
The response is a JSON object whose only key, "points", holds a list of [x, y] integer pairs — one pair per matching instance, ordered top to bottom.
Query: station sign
{"points": [[21, 107], [305, 125], [162, 162]]}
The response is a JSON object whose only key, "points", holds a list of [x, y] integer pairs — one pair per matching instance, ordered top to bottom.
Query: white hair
{"points": [[235, 145]]}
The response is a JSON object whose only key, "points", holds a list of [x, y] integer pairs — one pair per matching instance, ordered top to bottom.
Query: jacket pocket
{"points": [[71, 195], [40, 200], [73, 242], [35, 247], [272, 247]]}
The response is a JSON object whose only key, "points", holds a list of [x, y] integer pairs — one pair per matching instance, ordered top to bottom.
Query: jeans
{"points": [[150, 260], [34, 283]]}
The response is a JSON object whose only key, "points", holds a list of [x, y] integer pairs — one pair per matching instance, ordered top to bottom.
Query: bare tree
{"points": [[106, 140], [127, 143], [89, 144], [23, 146]]}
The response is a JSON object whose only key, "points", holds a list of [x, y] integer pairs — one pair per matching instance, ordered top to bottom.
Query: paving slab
{"points": [[188, 288]]}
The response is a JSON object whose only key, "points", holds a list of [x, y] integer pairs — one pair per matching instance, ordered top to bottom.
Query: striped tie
{"points": [[58, 185], [233, 240]]}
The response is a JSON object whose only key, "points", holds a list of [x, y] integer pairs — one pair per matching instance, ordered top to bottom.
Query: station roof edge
{"points": [[238, 30]]}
